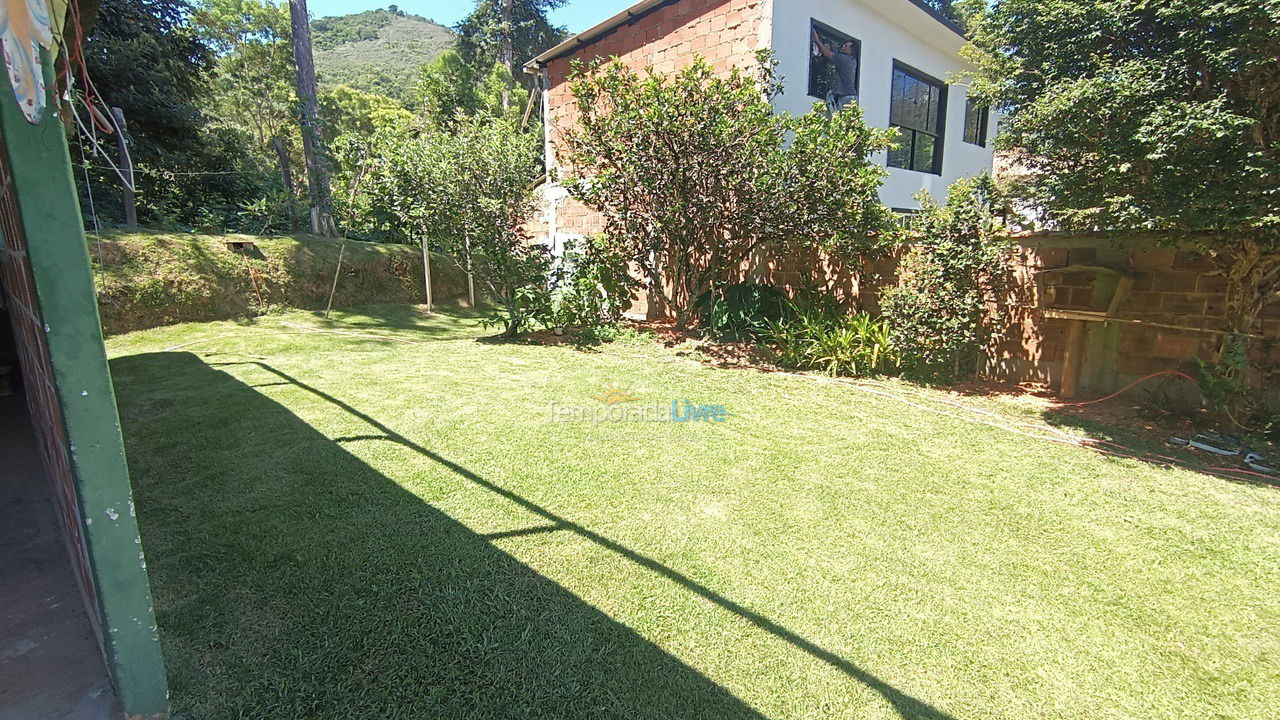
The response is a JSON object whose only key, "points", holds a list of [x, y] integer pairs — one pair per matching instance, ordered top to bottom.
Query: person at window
{"points": [[845, 88]]}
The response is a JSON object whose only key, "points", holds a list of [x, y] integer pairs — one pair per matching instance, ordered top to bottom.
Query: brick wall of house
{"points": [[724, 32], [38, 381]]}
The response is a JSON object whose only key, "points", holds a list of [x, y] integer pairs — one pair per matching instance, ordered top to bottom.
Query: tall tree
{"points": [[509, 32], [255, 78], [309, 114], [1160, 117]]}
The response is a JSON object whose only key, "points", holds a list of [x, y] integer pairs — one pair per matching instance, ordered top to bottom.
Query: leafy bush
{"points": [[694, 172], [949, 280], [592, 287], [741, 311], [819, 336]]}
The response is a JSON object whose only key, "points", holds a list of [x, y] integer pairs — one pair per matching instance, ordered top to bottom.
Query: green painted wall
{"points": [[50, 216]]}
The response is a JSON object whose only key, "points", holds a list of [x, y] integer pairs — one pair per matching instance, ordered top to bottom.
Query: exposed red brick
{"points": [[1153, 259], [1192, 260], [1176, 281], [1176, 345]]}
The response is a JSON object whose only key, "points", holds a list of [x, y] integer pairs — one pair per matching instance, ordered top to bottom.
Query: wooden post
{"points": [[126, 169], [426, 270], [471, 278], [1072, 360]]}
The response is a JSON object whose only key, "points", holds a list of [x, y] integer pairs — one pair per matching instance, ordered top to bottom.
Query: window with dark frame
{"points": [[822, 72], [918, 108], [976, 118]]}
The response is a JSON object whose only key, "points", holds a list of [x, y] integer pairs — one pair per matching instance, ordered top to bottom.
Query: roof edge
{"points": [[645, 7]]}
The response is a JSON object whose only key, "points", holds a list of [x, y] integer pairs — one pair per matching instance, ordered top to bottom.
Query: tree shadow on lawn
{"points": [[294, 579]]}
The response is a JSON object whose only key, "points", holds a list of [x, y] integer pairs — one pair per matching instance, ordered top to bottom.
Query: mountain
{"points": [[377, 51]]}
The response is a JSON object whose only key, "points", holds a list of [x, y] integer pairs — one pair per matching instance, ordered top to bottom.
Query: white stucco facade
{"points": [[889, 31]]}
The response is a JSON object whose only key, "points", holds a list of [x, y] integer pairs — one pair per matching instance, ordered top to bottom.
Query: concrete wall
{"points": [[888, 30]]}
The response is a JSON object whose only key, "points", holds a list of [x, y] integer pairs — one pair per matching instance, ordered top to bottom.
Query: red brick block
{"points": [[1082, 256], [1051, 257], [1153, 259], [1192, 260], [1180, 281], [1211, 284], [1143, 301], [1178, 304], [1175, 345], [1142, 365]]}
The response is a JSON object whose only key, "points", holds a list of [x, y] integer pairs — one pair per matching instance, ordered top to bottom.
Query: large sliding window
{"points": [[918, 108]]}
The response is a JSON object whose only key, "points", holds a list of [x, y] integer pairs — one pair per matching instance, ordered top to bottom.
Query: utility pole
{"points": [[309, 114], [126, 169]]}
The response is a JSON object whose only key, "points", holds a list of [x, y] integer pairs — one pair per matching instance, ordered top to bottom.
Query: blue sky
{"points": [[578, 15]]}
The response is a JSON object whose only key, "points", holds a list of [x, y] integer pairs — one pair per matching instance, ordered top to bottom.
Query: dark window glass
{"points": [[822, 72], [917, 106], [975, 123]]}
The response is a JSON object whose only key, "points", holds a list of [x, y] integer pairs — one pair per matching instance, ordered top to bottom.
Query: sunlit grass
{"points": [[391, 524]]}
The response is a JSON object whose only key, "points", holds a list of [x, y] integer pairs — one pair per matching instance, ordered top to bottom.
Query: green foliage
{"points": [[480, 34], [377, 51], [145, 58], [448, 87], [348, 111], [1142, 115], [1149, 116], [694, 172], [468, 192], [950, 281], [592, 287], [741, 311], [818, 335]]}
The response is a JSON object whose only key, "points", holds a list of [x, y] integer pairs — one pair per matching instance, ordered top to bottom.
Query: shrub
{"points": [[694, 172], [950, 281], [592, 287], [741, 311], [818, 336]]}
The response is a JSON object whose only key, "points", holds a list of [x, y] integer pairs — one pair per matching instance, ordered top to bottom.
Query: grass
{"points": [[389, 524]]}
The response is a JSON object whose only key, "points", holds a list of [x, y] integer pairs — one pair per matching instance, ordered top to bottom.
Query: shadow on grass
{"points": [[294, 580], [375, 603]]}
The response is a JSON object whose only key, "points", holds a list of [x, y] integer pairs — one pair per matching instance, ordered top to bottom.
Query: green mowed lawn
{"points": [[396, 519]]}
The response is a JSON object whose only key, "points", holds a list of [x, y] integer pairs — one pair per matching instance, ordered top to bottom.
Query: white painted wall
{"points": [[888, 30]]}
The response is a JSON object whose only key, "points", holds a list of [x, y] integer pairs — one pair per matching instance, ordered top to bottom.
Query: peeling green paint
{"points": [[50, 215]]}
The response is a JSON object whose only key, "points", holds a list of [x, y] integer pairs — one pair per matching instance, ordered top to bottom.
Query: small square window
{"points": [[825, 74], [976, 118]]}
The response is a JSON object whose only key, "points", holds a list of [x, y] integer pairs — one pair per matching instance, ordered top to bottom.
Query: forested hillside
{"points": [[377, 51]]}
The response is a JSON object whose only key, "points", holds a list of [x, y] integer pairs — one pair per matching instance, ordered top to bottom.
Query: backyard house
{"points": [[905, 53]]}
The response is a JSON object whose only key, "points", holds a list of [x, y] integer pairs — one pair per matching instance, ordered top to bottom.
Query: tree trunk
{"points": [[508, 54], [309, 115], [286, 176], [1253, 277]]}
